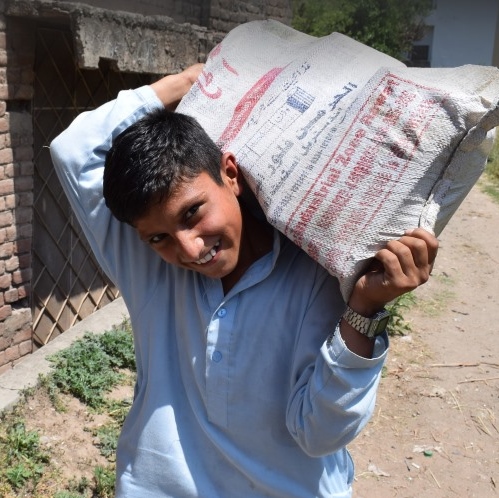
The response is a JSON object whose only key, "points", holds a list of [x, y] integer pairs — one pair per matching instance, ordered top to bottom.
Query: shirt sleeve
{"points": [[78, 155], [333, 394]]}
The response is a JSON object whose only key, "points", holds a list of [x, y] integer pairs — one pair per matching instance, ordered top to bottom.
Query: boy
{"points": [[251, 379]]}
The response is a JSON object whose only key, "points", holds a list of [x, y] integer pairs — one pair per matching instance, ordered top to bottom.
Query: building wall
{"points": [[210, 20], [464, 32], [16, 192]]}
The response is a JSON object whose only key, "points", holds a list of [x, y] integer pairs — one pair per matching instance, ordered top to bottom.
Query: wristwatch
{"points": [[370, 327]]}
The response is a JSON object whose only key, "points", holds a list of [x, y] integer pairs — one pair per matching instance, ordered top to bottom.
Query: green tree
{"points": [[390, 26]]}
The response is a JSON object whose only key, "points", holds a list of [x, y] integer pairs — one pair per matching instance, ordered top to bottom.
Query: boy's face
{"points": [[199, 226]]}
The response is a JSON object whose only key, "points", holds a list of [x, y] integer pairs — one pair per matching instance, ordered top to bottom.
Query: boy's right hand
{"points": [[171, 88]]}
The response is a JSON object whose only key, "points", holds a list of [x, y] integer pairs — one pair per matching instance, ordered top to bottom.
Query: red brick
{"points": [[23, 153], [6, 156], [27, 168], [9, 171], [24, 183], [6, 186], [24, 199], [9, 201], [23, 214], [6, 218], [25, 231], [23, 246], [7, 248], [25, 261], [12, 263], [21, 276], [5, 281], [23, 291], [11, 296], [5, 312], [19, 320], [22, 336], [4, 343], [26, 348], [12, 353]]}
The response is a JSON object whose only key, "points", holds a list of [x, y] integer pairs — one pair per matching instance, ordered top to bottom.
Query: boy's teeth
{"points": [[208, 257]]}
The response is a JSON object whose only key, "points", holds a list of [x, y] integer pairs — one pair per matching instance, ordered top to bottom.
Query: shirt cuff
{"points": [[336, 351]]}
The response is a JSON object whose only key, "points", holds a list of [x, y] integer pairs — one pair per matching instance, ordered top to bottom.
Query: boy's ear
{"points": [[231, 174]]}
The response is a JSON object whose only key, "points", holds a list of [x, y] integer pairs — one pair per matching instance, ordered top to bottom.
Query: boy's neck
{"points": [[256, 241]]}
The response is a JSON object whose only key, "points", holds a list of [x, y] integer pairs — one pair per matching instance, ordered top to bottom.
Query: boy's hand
{"points": [[171, 88], [400, 267]]}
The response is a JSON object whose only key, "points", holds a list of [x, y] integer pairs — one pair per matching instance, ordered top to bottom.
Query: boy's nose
{"points": [[190, 247]]}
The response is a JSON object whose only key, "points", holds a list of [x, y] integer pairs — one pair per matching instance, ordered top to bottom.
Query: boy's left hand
{"points": [[400, 267]]}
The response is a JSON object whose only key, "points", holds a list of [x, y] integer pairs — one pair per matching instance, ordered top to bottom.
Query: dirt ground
{"points": [[435, 431]]}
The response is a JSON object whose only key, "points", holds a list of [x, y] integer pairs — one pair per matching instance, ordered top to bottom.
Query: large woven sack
{"points": [[343, 146]]}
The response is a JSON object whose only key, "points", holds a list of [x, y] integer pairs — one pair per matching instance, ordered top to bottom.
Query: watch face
{"points": [[380, 323]]}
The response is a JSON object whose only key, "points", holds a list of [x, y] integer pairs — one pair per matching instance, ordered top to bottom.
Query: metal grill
{"points": [[68, 285]]}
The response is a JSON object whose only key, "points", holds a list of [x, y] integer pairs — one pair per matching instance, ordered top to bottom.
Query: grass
{"points": [[87, 370]]}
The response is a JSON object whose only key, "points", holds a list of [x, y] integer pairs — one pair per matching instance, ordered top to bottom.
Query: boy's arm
{"points": [[173, 87], [79, 153], [400, 267], [333, 394]]}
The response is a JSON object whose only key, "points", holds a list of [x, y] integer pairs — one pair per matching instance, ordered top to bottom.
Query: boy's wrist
{"points": [[171, 88]]}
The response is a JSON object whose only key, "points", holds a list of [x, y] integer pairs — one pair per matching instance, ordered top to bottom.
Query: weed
{"points": [[397, 324], [89, 368], [108, 439], [22, 457], [104, 481]]}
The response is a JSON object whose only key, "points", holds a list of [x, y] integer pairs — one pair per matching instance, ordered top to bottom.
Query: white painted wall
{"points": [[464, 32]]}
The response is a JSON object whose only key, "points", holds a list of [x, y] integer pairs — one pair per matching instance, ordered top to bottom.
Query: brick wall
{"points": [[16, 133], [16, 187]]}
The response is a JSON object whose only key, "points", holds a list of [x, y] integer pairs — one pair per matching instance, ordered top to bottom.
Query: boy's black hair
{"points": [[149, 159]]}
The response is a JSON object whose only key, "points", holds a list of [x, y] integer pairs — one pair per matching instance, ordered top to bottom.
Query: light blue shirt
{"points": [[237, 395]]}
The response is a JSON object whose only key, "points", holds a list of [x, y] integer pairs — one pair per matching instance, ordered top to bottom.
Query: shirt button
{"points": [[221, 312], [216, 356]]}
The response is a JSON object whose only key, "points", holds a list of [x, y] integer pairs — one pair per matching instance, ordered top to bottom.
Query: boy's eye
{"points": [[191, 211], [157, 238]]}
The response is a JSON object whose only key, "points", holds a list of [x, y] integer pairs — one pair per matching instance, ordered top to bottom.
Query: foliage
{"points": [[390, 26], [397, 324], [90, 367], [87, 370], [22, 459], [104, 481]]}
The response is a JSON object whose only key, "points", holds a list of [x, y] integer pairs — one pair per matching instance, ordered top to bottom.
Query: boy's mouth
{"points": [[209, 255]]}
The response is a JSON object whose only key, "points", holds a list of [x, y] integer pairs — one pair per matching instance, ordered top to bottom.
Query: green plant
{"points": [[397, 324], [118, 345], [90, 367], [108, 439], [23, 459], [104, 481]]}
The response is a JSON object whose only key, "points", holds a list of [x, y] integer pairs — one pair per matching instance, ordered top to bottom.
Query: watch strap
{"points": [[368, 326]]}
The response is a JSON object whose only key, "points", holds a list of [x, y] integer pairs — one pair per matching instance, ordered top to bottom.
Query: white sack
{"points": [[343, 146]]}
